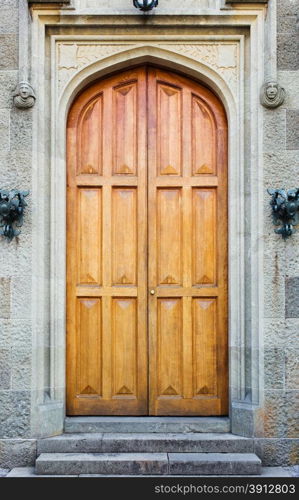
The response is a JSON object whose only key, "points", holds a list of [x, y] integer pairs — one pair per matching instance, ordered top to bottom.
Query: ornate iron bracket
{"points": [[145, 5], [12, 206], [285, 210]]}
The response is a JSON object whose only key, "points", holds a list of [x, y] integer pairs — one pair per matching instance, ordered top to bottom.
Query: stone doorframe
{"points": [[232, 65]]}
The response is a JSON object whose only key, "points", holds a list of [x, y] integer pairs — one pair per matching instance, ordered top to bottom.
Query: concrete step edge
{"points": [[145, 424], [150, 442], [198, 456], [148, 463]]}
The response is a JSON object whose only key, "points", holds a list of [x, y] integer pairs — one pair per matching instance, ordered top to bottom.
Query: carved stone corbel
{"points": [[272, 94], [24, 96]]}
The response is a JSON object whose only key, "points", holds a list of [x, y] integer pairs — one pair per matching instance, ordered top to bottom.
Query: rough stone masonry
{"points": [[278, 442]]}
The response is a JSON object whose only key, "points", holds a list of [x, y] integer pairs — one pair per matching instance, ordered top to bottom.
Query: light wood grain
{"points": [[190, 207], [147, 210], [107, 223]]}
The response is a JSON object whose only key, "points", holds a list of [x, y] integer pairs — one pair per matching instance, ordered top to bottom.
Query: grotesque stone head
{"points": [[272, 90], [272, 95], [24, 96]]}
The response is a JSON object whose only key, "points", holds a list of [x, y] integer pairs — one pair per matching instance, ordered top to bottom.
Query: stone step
{"points": [[146, 424], [151, 442], [101, 463], [148, 463], [214, 463], [265, 472]]}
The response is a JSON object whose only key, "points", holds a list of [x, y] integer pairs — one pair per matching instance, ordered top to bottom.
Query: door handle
{"points": [[152, 292]]}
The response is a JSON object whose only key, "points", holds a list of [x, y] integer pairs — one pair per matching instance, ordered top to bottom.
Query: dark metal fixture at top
{"points": [[145, 4], [285, 210]]}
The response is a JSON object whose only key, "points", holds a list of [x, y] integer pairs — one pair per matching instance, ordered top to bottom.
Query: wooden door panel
{"points": [[125, 128], [169, 130], [90, 138], [203, 138], [147, 212], [89, 236], [124, 236], [169, 237], [204, 244], [106, 261], [188, 263], [204, 328], [169, 339], [124, 345], [89, 352]]}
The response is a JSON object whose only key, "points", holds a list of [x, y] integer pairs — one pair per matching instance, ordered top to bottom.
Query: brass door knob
{"points": [[152, 292]]}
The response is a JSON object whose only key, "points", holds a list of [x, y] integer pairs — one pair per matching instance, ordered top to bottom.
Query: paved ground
{"points": [[266, 472]]}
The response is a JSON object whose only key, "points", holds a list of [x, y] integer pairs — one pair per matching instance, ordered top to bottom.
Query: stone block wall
{"points": [[15, 257], [281, 258], [281, 262]]}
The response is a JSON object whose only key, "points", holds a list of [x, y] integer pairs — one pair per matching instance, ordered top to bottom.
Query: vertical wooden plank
{"points": [[124, 113], [169, 129], [90, 138], [203, 139], [152, 162], [89, 236], [124, 236], [169, 237], [142, 246], [187, 246], [204, 247], [106, 260], [106, 263], [222, 266], [187, 283], [169, 339], [89, 341], [204, 346], [107, 348], [124, 348]]}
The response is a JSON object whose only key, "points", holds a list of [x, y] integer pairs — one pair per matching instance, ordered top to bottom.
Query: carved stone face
{"points": [[24, 90], [271, 90]]}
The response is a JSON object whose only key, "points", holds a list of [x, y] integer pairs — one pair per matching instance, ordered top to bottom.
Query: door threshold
{"points": [[146, 424]]}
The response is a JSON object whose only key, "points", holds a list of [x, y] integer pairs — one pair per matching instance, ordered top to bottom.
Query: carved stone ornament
{"points": [[272, 94], [24, 96], [12, 205], [285, 210]]}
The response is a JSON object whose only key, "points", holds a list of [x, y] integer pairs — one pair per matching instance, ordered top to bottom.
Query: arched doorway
{"points": [[147, 248]]}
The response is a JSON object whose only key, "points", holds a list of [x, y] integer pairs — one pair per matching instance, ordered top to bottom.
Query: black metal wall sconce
{"points": [[145, 5], [12, 206], [285, 210]]}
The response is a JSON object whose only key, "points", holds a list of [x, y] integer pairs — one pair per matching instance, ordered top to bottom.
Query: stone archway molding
{"points": [[216, 61], [79, 80]]}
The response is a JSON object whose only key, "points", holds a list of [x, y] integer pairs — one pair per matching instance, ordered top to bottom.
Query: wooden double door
{"points": [[147, 248]]}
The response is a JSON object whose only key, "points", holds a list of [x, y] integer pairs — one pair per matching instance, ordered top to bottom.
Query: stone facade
{"points": [[281, 263], [31, 390]]}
